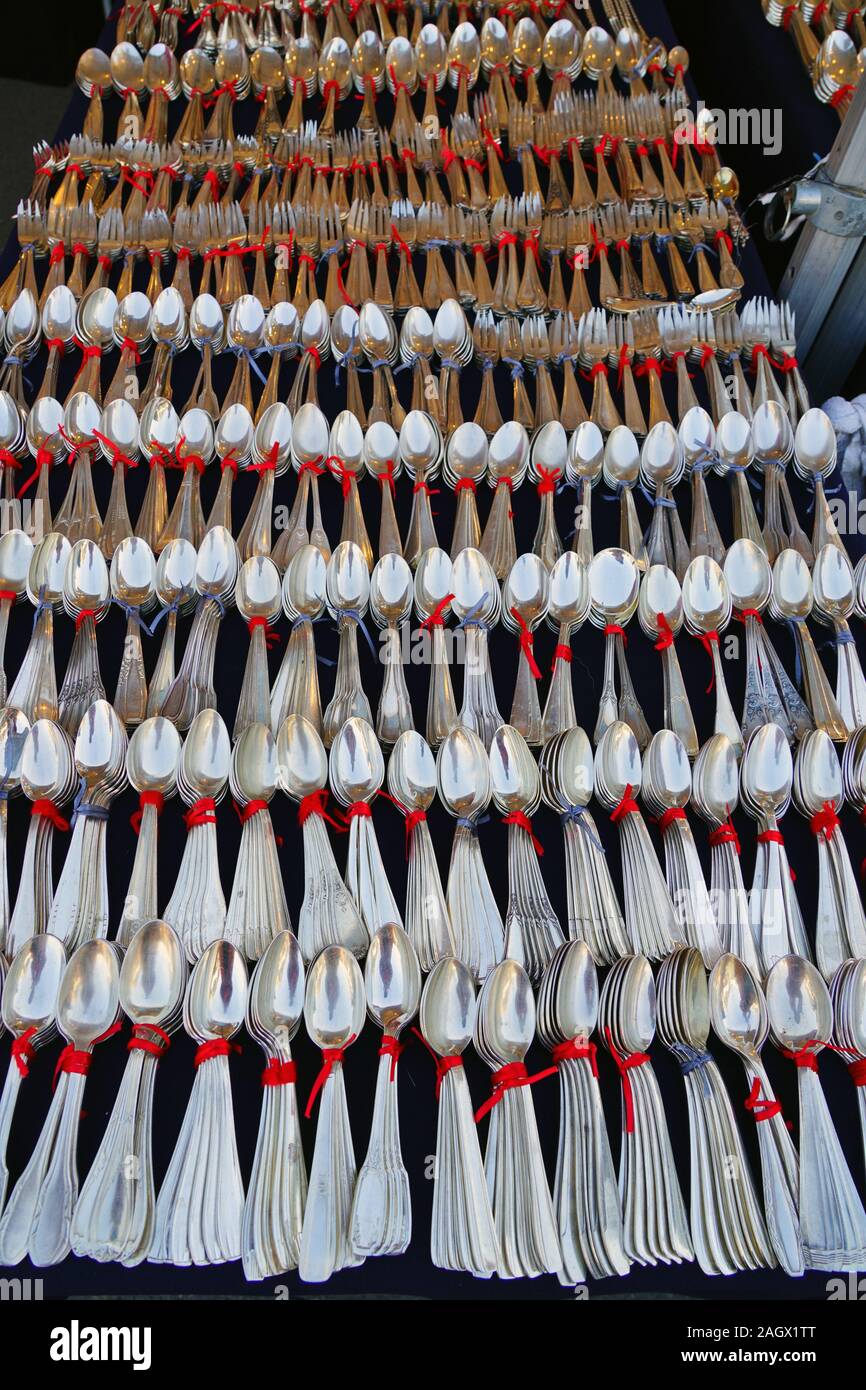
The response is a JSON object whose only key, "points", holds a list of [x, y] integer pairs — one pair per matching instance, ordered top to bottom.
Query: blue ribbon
{"points": [[250, 357], [517, 369], [705, 459], [658, 501], [41, 607], [167, 608], [133, 611], [355, 615], [470, 620], [299, 622], [791, 624], [80, 807], [574, 816], [471, 823], [690, 1060]]}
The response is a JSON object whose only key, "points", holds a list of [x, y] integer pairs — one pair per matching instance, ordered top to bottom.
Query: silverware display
{"points": [[257, 332]]}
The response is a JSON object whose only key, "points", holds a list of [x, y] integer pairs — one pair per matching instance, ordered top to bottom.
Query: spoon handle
{"points": [[745, 520], [824, 531], [295, 535], [498, 544], [582, 544], [680, 546], [163, 672], [850, 682], [130, 699], [821, 699], [254, 702], [607, 705], [629, 706], [441, 707], [525, 707], [796, 710], [678, 711], [394, 715], [726, 721], [140, 904], [427, 921], [830, 944], [8, 1101], [780, 1174], [375, 1198], [103, 1210], [19, 1216], [832, 1218], [141, 1225], [49, 1238], [324, 1240], [483, 1242]]}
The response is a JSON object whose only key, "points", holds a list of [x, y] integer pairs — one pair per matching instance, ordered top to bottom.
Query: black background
{"points": [[412, 1275]]}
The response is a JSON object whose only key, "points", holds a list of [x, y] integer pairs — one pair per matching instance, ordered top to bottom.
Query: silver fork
{"points": [[677, 335], [729, 336], [784, 340], [756, 345], [704, 349], [593, 352], [620, 355]]}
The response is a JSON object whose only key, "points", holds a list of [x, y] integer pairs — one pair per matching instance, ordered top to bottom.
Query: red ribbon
{"points": [[841, 95], [127, 345], [117, 455], [43, 459], [268, 463], [338, 467], [549, 477], [83, 616], [437, 617], [614, 630], [666, 636], [271, 637], [706, 640], [526, 641], [560, 653], [146, 799], [314, 805], [625, 807], [46, 808], [252, 808], [357, 808], [201, 812], [670, 815], [413, 818], [521, 820], [825, 821], [725, 835], [774, 837], [142, 1042], [217, 1047], [391, 1047], [23, 1051], [571, 1051], [330, 1057], [803, 1057], [77, 1063], [443, 1064], [624, 1066], [857, 1071], [278, 1073], [507, 1078], [761, 1108]]}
